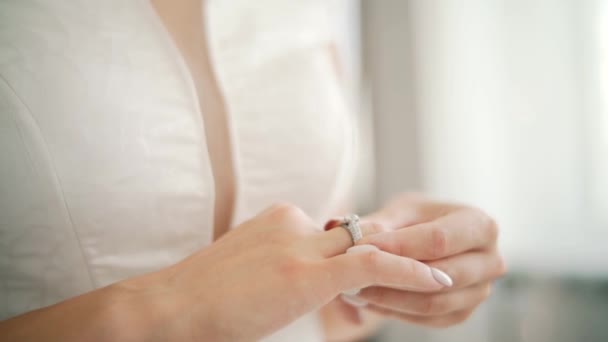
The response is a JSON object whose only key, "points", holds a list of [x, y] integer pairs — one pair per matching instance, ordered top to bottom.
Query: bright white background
{"points": [[501, 104]]}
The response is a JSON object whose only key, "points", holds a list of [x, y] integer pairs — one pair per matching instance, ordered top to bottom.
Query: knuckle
{"points": [[287, 212], [487, 222], [375, 228], [439, 243], [400, 248], [371, 260]]}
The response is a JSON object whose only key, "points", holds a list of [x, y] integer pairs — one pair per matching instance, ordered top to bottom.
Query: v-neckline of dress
{"points": [[229, 140]]}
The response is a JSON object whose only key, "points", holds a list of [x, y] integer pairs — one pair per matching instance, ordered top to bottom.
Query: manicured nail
{"points": [[332, 223], [441, 277], [354, 301]]}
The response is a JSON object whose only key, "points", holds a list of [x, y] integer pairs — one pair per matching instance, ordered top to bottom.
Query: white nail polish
{"points": [[441, 277], [354, 301]]}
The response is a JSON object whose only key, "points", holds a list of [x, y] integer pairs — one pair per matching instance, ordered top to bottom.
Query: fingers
{"points": [[411, 208], [288, 215], [457, 232], [337, 240], [472, 268], [359, 270], [426, 304], [435, 321]]}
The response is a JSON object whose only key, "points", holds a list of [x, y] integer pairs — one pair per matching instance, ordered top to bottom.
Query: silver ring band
{"points": [[351, 224]]}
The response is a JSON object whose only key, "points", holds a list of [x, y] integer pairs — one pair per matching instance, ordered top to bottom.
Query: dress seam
{"points": [[57, 181]]}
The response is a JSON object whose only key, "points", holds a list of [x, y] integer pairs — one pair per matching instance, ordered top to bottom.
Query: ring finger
{"points": [[337, 240]]}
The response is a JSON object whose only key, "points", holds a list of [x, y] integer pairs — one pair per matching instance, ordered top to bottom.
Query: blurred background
{"points": [[501, 104]]}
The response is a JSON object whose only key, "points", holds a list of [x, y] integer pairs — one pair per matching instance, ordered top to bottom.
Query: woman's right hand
{"points": [[271, 270], [254, 280]]}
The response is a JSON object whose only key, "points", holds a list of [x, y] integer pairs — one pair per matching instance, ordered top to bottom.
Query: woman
{"points": [[143, 147]]}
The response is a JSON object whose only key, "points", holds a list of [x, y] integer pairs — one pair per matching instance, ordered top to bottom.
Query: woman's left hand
{"points": [[459, 240]]}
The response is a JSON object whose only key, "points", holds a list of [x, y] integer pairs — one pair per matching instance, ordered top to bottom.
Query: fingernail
{"points": [[332, 223], [442, 277], [354, 301]]}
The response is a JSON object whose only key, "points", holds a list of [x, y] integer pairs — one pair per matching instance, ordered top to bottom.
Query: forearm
{"points": [[132, 310]]}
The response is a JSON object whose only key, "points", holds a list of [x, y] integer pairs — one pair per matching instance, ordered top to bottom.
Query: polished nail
{"points": [[333, 223], [441, 277], [354, 301]]}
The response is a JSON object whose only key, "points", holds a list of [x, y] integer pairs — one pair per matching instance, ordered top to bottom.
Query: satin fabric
{"points": [[104, 169]]}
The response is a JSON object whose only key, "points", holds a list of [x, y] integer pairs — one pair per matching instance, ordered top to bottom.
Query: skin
{"points": [[184, 20], [457, 239], [256, 279], [218, 293]]}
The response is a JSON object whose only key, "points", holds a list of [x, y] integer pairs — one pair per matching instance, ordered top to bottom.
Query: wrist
{"points": [[151, 307]]}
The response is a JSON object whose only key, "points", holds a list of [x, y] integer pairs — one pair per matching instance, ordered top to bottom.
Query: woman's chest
{"points": [[116, 123], [281, 131], [110, 173]]}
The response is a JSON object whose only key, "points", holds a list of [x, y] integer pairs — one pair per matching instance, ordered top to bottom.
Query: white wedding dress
{"points": [[104, 169]]}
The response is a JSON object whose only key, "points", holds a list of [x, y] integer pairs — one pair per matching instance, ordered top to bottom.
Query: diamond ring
{"points": [[351, 224]]}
